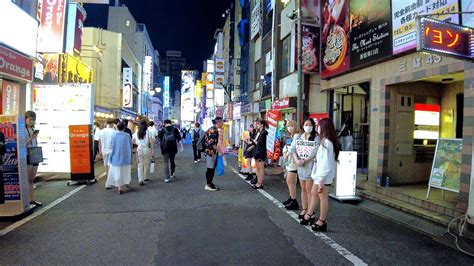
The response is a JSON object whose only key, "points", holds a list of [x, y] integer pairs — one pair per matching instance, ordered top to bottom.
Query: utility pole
{"points": [[300, 66]]}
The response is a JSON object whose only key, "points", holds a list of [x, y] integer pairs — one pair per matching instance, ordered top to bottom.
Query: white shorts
{"points": [[106, 157]]}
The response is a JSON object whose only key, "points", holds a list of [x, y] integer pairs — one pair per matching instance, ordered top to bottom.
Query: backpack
{"points": [[196, 135], [169, 138]]}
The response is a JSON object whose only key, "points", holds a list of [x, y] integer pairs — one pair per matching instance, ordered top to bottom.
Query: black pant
{"points": [[96, 148], [196, 152], [169, 158], [210, 173]]}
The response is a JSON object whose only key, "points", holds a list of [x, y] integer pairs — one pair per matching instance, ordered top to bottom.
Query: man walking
{"points": [[198, 134], [169, 138], [96, 139], [105, 143], [212, 149]]}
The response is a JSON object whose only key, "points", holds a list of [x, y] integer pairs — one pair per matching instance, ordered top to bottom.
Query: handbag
{"points": [[34, 155], [152, 166], [220, 166]]}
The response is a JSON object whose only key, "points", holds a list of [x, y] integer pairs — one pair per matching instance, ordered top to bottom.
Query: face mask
{"points": [[291, 129], [308, 129]]}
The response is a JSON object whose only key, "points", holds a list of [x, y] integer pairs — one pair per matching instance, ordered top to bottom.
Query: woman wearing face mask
{"points": [[304, 149], [260, 156], [291, 167], [323, 174]]}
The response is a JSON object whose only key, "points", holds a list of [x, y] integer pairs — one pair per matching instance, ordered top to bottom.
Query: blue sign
{"points": [[166, 92]]}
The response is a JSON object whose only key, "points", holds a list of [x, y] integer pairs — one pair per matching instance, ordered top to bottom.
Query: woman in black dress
{"points": [[249, 151], [260, 156]]}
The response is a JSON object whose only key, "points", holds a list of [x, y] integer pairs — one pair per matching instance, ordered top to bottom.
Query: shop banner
{"points": [[310, 12], [404, 13], [467, 19], [51, 31], [371, 31], [335, 39], [311, 50], [15, 65], [220, 65], [51, 69], [73, 70], [127, 90], [10, 97], [237, 111], [273, 116], [80, 144], [304, 148], [447, 164]]}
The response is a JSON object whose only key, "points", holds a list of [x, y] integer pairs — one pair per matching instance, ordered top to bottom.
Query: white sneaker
{"points": [[195, 162], [167, 180], [210, 188]]}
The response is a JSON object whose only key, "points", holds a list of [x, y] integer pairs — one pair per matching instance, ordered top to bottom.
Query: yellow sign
{"points": [[73, 70], [198, 88]]}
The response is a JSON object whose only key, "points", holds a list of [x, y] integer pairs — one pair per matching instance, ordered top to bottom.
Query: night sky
{"points": [[186, 25]]}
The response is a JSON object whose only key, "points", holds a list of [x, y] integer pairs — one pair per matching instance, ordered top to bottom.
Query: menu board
{"points": [[404, 13], [371, 31], [335, 40], [57, 107], [80, 143], [446, 170]]}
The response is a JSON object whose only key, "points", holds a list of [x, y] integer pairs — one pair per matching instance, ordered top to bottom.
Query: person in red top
{"points": [[211, 149]]}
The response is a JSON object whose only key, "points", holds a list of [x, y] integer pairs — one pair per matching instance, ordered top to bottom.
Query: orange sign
{"points": [[10, 97], [80, 149]]}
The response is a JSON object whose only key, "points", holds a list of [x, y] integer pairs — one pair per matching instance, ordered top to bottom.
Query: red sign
{"points": [[80, 18], [51, 31], [446, 38], [15, 65], [10, 95], [284, 103], [273, 116], [318, 117], [80, 144]]}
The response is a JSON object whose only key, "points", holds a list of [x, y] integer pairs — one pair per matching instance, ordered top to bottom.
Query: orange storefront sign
{"points": [[80, 149]]}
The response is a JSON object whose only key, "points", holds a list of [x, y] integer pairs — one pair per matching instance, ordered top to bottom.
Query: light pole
{"points": [[300, 66]]}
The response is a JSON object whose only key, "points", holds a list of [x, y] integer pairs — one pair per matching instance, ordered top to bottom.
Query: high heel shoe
{"points": [[256, 186], [301, 216], [311, 219], [320, 228]]}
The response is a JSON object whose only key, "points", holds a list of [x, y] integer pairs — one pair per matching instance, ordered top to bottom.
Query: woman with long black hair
{"points": [[145, 150], [249, 151], [260, 156], [323, 174]]}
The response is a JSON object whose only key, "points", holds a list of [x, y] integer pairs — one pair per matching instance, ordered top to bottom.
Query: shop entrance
{"points": [[351, 117]]}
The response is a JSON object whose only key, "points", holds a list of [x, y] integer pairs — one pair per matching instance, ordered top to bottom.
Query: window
{"points": [[286, 56]]}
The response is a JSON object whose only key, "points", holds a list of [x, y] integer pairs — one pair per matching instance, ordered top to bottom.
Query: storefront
{"points": [[263, 107], [287, 108], [249, 113], [238, 129]]}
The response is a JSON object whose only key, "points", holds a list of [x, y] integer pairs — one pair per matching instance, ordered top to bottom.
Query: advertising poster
{"points": [[310, 12], [404, 13], [467, 19], [256, 20], [51, 30], [371, 33], [335, 40], [311, 50], [51, 69], [73, 70], [127, 91], [10, 97], [57, 107], [273, 116], [80, 145], [304, 148], [446, 171], [11, 173]]}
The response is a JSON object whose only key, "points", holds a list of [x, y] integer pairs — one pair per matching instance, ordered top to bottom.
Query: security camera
{"points": [[291, 15]]}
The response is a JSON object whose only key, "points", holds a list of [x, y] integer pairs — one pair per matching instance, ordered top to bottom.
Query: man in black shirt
{"points": [[127, 130], [169, 138]]}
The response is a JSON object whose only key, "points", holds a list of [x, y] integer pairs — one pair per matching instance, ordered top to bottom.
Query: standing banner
{"points": [[371, 31], [335, 40], [273, 116], [80, 145], [446, 169], [15, 176]]}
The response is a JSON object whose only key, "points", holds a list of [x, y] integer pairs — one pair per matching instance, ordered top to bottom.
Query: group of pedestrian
{"points": [[311, 157]]}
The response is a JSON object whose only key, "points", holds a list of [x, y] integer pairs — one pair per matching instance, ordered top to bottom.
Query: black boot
{"points": [[249, 177], [254, 181], [286, 202], [293, 205]]}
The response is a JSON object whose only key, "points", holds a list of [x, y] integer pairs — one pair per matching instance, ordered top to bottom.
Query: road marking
{"points": [[41, 211], [326, 239]]}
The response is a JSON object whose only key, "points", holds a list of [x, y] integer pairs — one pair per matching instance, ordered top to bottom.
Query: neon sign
{"points": [[445, 38]]}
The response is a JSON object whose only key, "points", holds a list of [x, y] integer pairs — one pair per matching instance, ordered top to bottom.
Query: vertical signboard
{"points": [[310, 12], [404, 13], [256, 20], [75, 22], [51, 31], [371, 31], [335, 38], [311, 50], [148, 74], [127, 89], [166, 92], [10, 97], [273, 117], [80, 144]]}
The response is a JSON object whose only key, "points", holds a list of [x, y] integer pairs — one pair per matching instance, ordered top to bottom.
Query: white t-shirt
{"points": [[152, 132], [97, 134], [105, 139], [142, 143]]}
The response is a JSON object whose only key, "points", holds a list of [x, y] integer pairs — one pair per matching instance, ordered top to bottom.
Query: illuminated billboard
{"points": [[51, 31], [166, 92]]}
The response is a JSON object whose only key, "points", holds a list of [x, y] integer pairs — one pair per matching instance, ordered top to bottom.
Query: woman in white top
{"points": [[31, 141], [304, 149], [145, 151], [290, 166], [323, 173]]}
